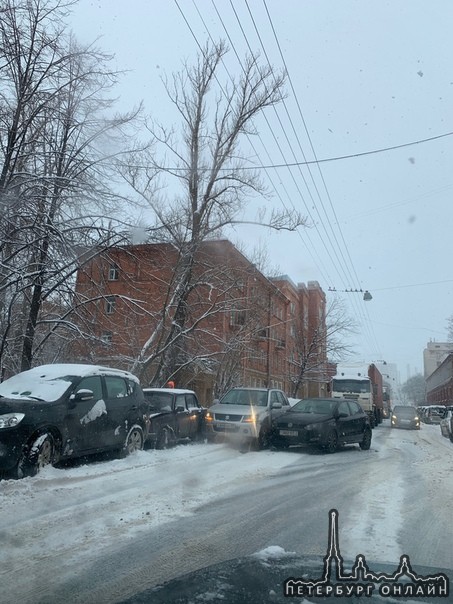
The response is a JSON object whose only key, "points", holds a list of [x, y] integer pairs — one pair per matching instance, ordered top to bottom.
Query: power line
{"points": [[331, 159], [352, 274], [381, 289]]}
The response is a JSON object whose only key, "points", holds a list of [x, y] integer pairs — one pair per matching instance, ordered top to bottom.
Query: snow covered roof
{"points": [[57, 370], [357, 371], [47, 382], [169, 390]]}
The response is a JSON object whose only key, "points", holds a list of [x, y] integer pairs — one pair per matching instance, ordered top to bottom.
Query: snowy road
{"points": [[100, 532]]}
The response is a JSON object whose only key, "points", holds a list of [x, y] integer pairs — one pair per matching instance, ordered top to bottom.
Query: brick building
{"points": [[241, 327], [439, 384]]}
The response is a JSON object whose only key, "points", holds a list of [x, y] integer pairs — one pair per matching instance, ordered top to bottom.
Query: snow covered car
{"points": [[60, 411], [174, 414], [246, 414], [433, 414], [327, 423], [446, 424]]}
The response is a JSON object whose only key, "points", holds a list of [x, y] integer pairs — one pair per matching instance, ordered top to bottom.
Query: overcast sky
{"points": [[364, 75]]}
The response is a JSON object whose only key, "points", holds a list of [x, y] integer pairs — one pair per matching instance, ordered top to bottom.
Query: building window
{"points": [[114, 272], [110, 303], [237, 317], [263, 333], [106, 337]]}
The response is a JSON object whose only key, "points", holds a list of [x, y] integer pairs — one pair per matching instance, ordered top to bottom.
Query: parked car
{"points": [[55, 412], [174, 414], [246, 414], [432, 414], [405, 416], [323, 422], [446, 424]]}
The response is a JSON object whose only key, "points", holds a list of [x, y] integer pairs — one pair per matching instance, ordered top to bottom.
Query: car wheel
{"points": [[451, 437], [164, 439], [135, 440], [263, 440], [331, 442], [365, 444], [39, 453]]}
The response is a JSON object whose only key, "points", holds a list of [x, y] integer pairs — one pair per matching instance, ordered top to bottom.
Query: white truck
{"points": [[363, 383]]}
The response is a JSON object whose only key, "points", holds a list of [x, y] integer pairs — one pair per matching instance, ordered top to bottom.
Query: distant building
{"points": [[247, 327], [434, 354], [390, 379], [439, 384]]}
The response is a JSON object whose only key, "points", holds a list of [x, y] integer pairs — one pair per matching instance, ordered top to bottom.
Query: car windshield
{"points": [[29, 385], [349, 385], [245, 397], [159, 401], [319, 407], [405, 411]]}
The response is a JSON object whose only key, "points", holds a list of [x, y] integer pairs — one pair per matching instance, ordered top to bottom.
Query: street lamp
{"points": [[366, 295]]}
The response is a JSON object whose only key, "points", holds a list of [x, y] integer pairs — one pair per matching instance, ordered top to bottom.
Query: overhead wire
{"points": [[290, 146], [287, 164], [316, 260], [347, 264]]}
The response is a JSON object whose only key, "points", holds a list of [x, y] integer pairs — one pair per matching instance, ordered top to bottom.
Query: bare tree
{"points": [[55, 173], [213, 180], [324, 341], [415, 389]]}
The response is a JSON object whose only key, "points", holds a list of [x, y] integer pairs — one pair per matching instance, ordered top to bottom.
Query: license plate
{"points": [[405, 421], [289, 433]]}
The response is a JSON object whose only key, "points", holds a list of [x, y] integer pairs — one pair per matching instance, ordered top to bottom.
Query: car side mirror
{"points": [[82, 395], [216, 400], [276, 406], [180, 409], [343, 414]]}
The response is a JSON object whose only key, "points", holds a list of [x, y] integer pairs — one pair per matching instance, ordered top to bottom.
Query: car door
{"points": [[276, 396], [121, 410], [195, 414], [182, 415], [359, 419], [344, 422], [86, 423]]}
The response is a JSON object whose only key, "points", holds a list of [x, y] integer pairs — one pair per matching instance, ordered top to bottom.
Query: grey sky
{"points": [[367, 75]]}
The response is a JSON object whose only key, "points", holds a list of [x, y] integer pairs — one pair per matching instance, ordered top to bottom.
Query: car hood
{"points": [[13, 405], [238, 409], [155, 412], [301, 419], [261, 577]]}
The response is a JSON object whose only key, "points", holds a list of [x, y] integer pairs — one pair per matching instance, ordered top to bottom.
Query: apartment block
{"points": [[240, 327]]}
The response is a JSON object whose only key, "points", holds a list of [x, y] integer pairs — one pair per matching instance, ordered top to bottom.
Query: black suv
{"points": [[60, 411]]}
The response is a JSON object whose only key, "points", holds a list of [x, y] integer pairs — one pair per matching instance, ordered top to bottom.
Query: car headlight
{"points": [[209, 416], [393, 416], [416, 418], [249, 419], [10, 420], [312, 427]]}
